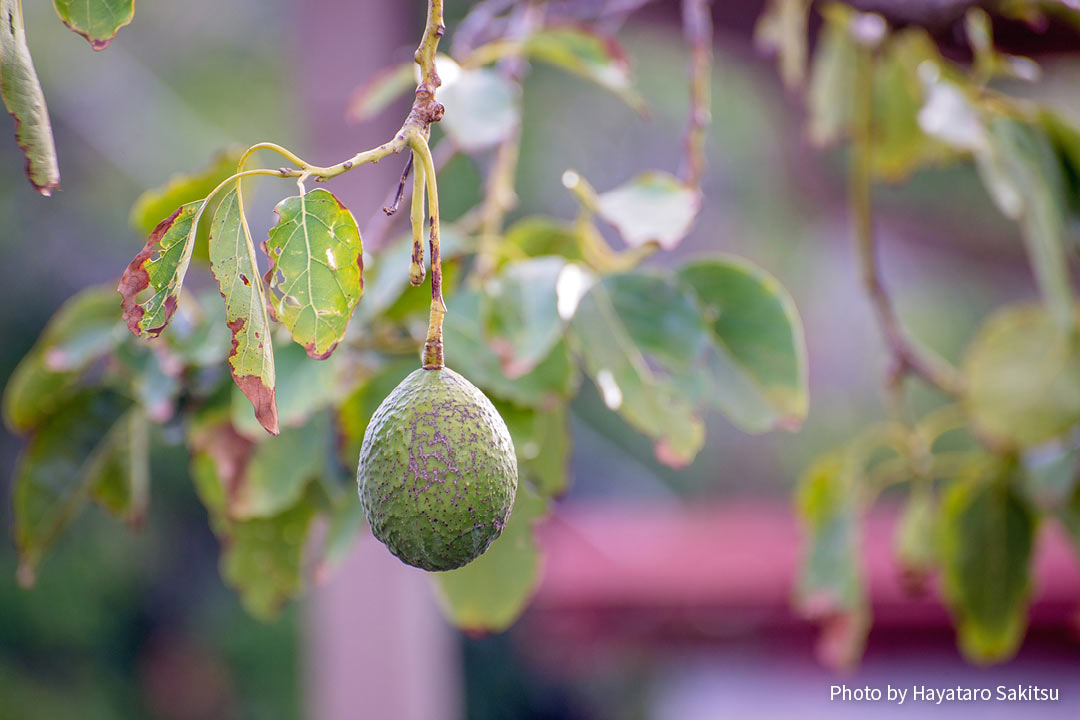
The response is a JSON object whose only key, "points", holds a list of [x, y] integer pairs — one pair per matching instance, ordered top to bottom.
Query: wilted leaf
{"points": [[96, 20], [782, 29], [584, 53], [383, 88], [21, 92], [482, 109], [182, 188], [653, 207], [159, 267], [316, 269], [529, 304], [251, 358], [615, 362], [757, 372], [1023, 378], [52, 482], [987, 538], [831, 588], [488, 594]]}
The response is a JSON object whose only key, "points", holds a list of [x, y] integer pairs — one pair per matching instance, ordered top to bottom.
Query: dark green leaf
{"points": [[96, 20], [21, 92], [653, 207], [316, 269], [251, 358], [757, 373], [1023, 378], [651, 404], [119, 472], [52, 482], [987, 538], [489, 594]]}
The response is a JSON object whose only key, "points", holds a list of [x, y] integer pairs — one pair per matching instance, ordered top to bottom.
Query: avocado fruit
{"points": [[438, 473]]}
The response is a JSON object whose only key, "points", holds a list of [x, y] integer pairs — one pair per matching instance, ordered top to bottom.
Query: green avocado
{"points": [[438, 473]]}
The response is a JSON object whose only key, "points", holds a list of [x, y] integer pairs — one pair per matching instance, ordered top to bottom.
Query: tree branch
{"points": [[698, 29]]}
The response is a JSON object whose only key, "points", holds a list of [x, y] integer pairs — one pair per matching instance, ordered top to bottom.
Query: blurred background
{"points": [[665, 595]]}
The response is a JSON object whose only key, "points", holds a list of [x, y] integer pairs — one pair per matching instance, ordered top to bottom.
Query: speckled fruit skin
{"points": [[437, 474]]}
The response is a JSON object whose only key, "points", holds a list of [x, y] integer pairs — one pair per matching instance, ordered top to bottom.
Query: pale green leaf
{"points": [[96, 20], [782, 29], [594, 57], [832, 78], [380, 91], [23, 98], [482, 109], [653, 207], [316, 269], [157, 273], [251, 358], [757, 368], [1023, 379], [304, 387], [651, 404], [542, 443], [280, 469], [987, 537], [915, 541], [489, 594]]}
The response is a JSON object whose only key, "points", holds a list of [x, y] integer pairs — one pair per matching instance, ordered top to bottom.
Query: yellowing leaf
{"points": [[96, 20], [21, 92], [316, 269], [251, 359]]}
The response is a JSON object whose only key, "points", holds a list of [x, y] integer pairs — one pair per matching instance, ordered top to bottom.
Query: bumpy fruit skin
{"points": [[437, 472]]}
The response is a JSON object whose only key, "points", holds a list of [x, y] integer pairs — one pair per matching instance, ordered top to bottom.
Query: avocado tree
{"points": [[278, 387]]}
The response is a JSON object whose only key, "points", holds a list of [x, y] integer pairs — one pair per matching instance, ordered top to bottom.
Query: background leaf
{"points": [[96, 20], [587, 54], [23, 98], [482, 109], [652, 207], [316, 269], [757, 369], [987, 538], [489, 593]]}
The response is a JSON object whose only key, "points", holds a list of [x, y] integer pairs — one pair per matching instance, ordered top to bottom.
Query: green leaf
{"points": [[96, 20], [782, 29], [594, 57], [832, 78], [380, 91], [21, 92], [482, 109], [1024, 176], [181, 189], [653, 207], [536, 236], [159, 267], [316, 269], [529, 303], [81, 332], [251, 358], [757, 370], [553, 379], [1023, 379], [304, 388], [651, 404], [356, 410], [542, 443], [280, 469], [119, 472], [52, 482], [346, 521], [987, 538], [915, 540], [261, 558], [831, 587], [488, 594]]}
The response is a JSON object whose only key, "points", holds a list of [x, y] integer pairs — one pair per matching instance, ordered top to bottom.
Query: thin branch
{"points": [[698, 28], [393, 205], [908, 358]]}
